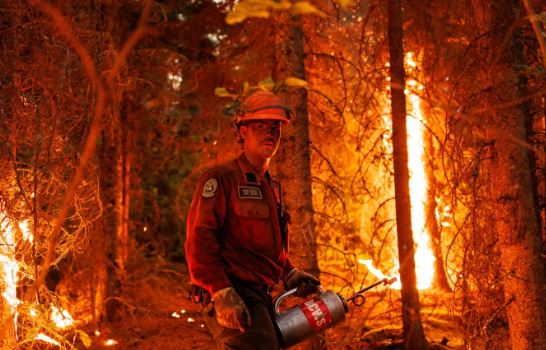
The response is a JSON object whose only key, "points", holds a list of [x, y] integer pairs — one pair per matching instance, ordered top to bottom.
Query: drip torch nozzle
{"points": [[389, 281], [358, 298]]}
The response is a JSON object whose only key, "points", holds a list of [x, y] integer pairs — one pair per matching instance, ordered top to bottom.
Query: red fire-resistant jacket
{"points": [[233, 229]]}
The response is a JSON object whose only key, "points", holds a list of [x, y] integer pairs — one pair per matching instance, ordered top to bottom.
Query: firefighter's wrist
{"points": [[289, 274], [287, 277]]}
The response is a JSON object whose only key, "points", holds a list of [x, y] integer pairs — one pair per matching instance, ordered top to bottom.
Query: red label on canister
{"points": [[317, 313]]}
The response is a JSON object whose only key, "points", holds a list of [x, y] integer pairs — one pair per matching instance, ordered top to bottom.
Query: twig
{"points": [[534, 24], [483, 329]]}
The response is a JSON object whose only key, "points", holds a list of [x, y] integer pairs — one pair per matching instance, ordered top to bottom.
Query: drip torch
{"points": [[324, 310]]}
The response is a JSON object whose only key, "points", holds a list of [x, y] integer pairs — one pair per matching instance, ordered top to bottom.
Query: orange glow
{"points": [[424, 257], [110, 342]]}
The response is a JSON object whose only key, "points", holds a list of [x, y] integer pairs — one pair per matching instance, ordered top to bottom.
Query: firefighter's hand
{"points": [[305, 282], [231, 311]]}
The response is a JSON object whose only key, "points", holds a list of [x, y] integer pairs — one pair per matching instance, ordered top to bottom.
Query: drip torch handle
{"points": [[288, 293]]}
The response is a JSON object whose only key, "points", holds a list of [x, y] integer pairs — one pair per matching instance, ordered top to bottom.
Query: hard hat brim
{"points": [[280, 113]]}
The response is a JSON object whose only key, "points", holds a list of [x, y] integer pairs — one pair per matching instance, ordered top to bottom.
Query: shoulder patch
{"points": [[209, 188]]}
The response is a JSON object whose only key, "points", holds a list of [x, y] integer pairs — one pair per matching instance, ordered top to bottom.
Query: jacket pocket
{"points": [[251, 209], [252, 225]]}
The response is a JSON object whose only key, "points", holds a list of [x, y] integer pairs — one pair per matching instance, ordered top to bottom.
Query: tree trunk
{"points": [[293, 161], [112, 197], [515, 217], [440, 275], [413, 330]]}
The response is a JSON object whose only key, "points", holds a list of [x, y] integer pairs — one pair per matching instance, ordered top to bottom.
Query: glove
{"points": [[305, 282], [231, 311]]}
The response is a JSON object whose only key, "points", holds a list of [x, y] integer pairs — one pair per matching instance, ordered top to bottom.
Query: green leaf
{"points": [[347, 3], [248, 8], [304, 8], [262, 9], [295, 82], [267, 84], [222, 92]]}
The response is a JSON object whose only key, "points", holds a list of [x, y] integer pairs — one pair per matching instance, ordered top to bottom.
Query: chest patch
{"points": [[249, 192]]}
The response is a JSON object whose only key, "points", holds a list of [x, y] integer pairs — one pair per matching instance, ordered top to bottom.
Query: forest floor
{"points": [[162, 317]]}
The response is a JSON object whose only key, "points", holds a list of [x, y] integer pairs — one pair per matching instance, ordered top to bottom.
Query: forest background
{"points": [[110, 111]]}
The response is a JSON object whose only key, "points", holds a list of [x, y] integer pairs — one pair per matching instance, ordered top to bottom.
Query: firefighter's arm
{"points": [[205, 218]]}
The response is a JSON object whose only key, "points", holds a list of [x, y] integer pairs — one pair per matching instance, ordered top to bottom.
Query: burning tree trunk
{"points": [[293, 160], [512, 204], [440, 274], [413, 329]]}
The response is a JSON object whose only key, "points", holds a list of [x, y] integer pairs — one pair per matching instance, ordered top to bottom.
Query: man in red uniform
{"points": [[236, 239]]}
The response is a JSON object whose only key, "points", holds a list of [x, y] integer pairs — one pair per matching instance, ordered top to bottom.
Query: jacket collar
{"points": [[249, 172]]}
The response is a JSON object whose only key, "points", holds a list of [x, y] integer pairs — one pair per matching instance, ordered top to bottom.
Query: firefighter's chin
{"points": [[268, 150]]}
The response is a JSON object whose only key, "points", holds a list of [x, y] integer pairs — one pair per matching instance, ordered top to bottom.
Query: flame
{"points": [[424, 257], [10, 268], [380, 275], [61, 318], [47, 339]]}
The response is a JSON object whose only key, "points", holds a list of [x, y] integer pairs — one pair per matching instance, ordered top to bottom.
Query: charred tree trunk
{"points": [[293, 161], [114, 167], [112, 198], [514, 213], [440, 275], [414, 337]]}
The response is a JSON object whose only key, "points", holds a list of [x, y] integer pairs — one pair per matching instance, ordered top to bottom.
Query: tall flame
{"points": [[424, 257], [10, 269]]}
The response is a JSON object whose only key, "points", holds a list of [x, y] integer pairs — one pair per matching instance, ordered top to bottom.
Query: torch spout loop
{"points": [[358, 298]]}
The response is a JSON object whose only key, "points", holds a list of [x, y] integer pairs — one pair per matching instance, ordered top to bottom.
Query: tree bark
{"points": [[293, 161], [515, 217], [440, 275], [414, 337]]}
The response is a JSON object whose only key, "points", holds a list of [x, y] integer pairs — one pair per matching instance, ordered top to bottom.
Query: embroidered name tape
{"points": [[250, 192]]}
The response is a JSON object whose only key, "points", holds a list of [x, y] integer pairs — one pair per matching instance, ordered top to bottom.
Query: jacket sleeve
{"points": [[205, 219], [288, 266]]}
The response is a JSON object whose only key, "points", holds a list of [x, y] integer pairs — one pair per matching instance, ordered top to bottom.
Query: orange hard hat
{"points": [[263, 105]]}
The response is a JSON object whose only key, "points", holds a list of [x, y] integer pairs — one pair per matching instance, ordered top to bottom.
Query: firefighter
{"points": [[236, 243]]}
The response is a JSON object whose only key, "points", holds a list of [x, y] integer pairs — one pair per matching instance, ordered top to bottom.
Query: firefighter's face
{"points": [[261, 137]]}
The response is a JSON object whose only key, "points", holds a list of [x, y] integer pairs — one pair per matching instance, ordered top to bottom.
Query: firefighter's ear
{"points": [[243, 131]]}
